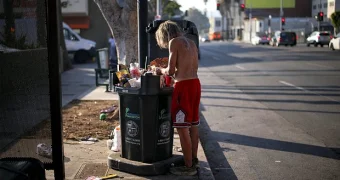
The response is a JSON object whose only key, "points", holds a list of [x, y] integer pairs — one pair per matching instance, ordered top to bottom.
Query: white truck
{"points": [[83, 49]]}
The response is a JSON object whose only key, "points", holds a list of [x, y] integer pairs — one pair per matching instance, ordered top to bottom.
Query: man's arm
{"points": [[171, 69]]}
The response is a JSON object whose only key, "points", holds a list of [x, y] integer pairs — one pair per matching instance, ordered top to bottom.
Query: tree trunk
{"points": [[124, 27], [65, 61]]}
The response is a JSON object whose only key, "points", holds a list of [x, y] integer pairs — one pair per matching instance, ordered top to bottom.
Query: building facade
{"points": [[333, 6], [84, 17]]}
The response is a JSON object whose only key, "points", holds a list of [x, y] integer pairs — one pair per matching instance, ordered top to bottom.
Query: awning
{"points": [[77, 22]]}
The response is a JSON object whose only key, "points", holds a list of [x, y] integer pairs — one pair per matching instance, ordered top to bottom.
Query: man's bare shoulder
{"points": [[175, 42]]}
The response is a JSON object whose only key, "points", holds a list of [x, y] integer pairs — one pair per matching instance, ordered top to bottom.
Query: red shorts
{"points": [[185, 103]]}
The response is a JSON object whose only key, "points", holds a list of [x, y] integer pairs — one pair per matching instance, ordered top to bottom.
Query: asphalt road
{"points": [[270, 112]]}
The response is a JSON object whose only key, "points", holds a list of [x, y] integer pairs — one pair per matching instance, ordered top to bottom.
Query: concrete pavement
{"points": [[270, 113]]}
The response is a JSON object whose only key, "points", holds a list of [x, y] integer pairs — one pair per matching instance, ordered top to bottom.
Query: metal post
{"points": [[320, 6], [142, 8], [158, 13], [281, 14], [250, 22], [222, 24], [269, 24], [53, 42]]}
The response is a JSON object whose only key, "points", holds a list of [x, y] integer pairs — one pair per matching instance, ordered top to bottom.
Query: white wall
{"points": [[76, 8]]}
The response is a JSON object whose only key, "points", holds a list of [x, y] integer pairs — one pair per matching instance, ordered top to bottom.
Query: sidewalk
{"points": [[79, 83]]}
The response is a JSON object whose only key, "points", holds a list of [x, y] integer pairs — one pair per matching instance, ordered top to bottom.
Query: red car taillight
{"points": [[318, 37], [331, 37]]}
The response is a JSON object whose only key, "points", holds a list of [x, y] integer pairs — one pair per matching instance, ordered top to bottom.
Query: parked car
{"points": [[205, 38], [260, 38], [283, 38], [319, 38], [335, 42], [83, 49]]}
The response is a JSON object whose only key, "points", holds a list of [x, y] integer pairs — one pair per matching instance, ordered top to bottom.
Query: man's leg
{"points": [[185, 139], [194, 140]]}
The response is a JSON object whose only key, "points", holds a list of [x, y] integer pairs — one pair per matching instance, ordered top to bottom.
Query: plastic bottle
{"points": [[117, 144]]}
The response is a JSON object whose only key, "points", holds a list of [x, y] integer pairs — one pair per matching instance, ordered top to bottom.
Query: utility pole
{"points": [[320, 5], [158, 10], [281, 14], [142, 16], [250, 22], [269, 24]]}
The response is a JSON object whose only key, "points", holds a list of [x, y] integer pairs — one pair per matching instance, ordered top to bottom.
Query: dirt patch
{"points": [[81, 119]]}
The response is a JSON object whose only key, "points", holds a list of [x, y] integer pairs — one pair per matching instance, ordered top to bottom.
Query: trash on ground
{"points": [[109, 110], [102, 116], [89, 139], [116, 140], [86, 142], [109, 144], [178, 149], [44, 150], [109, 176], [93, 178], [102, 178]]}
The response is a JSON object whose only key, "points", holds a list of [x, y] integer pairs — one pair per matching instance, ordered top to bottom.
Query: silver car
{"points": [[260, 38]]}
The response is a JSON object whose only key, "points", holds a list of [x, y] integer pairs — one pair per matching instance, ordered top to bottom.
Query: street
{"points": [[270, 112]]}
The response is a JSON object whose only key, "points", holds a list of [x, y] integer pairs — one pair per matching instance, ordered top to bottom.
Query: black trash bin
{"points": [[190, 31], [145, 120]]}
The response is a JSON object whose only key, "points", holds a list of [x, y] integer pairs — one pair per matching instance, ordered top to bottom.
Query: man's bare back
{"points": [[183, 59]]}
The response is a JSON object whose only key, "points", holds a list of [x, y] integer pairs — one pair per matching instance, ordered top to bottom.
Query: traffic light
{"points": [[218, 6], [242, 7], [320, 16], [283, 20]]}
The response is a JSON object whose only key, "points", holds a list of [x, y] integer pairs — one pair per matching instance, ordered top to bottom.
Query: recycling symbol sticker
{"points": [[132, 128], [164, 129]]}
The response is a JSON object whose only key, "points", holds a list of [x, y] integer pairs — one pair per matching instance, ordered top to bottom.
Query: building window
{"points": [[331, 4], [325, 5], [320, 6], [314, 7], [217, 23]]}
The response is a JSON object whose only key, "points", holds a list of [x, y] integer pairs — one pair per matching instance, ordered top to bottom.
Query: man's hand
{"points": [[161, 71]]}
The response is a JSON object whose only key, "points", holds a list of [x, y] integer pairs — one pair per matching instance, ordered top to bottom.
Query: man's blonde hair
{"points": [[167, 31]]}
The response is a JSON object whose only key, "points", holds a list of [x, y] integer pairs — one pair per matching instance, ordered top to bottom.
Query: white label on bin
{"points": [[180, 116], [132, 129], [164, 129]]}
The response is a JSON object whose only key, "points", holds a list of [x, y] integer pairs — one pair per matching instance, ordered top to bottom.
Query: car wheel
{"points": [[308, 44], [286, 45], [315, 45], [321, 45], [332, 47], [81, 56]]}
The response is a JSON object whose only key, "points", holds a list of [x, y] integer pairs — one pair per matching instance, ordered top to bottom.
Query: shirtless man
{"points": [[183, 64]]}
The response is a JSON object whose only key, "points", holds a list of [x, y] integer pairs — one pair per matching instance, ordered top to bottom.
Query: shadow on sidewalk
{"points": [[218, 163]]}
